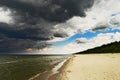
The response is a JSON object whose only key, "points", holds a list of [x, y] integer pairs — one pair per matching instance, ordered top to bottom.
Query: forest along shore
{"points": [[90, 67]]}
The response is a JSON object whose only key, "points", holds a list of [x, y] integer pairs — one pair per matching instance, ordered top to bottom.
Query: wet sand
{"points": [[90, 67]]}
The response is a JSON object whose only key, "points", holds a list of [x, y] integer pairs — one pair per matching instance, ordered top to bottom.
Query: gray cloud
{"points": [[50, 10], [34, 21], [101, 26], [26, 31], [19, 38], [79, 41], [15, 45]]}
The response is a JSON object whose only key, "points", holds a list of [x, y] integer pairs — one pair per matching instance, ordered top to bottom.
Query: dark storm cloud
{"points": [[52, 10], [38, 16], [34, 21], [25, 31], [60, 34], [15, 38], [15, 45]]}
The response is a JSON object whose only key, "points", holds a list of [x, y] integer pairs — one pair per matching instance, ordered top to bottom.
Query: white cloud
{"points": [[99, 14], [5, 16], [116, 37], [102, 38], [55, 40], [99, 40], [74, 47], [67, 49]]}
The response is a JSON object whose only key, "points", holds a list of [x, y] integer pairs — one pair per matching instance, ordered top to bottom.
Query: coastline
{"points": [[90, 67], [61, 71], [45, 75]]}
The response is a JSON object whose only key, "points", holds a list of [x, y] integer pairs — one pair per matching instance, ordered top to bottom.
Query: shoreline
{"points": [[90, 67], [61, 69], [46, 74]]}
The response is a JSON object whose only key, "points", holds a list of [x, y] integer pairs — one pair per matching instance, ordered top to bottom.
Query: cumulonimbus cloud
{"points": [[33, 21]]}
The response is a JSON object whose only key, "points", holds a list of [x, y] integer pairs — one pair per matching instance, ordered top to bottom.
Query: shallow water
{"points": [[25, 67]]}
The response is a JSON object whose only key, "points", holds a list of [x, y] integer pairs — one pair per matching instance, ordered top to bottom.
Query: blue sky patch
{"points": [[88, 35]]}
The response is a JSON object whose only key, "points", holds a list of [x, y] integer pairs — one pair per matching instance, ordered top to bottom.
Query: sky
{"points": [[57, 26]]}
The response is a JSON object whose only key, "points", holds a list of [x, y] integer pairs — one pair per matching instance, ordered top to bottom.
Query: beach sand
{"points": [[90, 67]]}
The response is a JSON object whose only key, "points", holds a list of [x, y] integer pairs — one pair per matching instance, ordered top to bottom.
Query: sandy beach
{"points": [[90, 67]]}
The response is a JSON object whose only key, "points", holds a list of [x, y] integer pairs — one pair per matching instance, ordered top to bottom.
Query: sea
{"points": [[24, 67]]}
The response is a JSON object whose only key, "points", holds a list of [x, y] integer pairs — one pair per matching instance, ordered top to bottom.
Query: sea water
{"points": [[25, 67]]}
